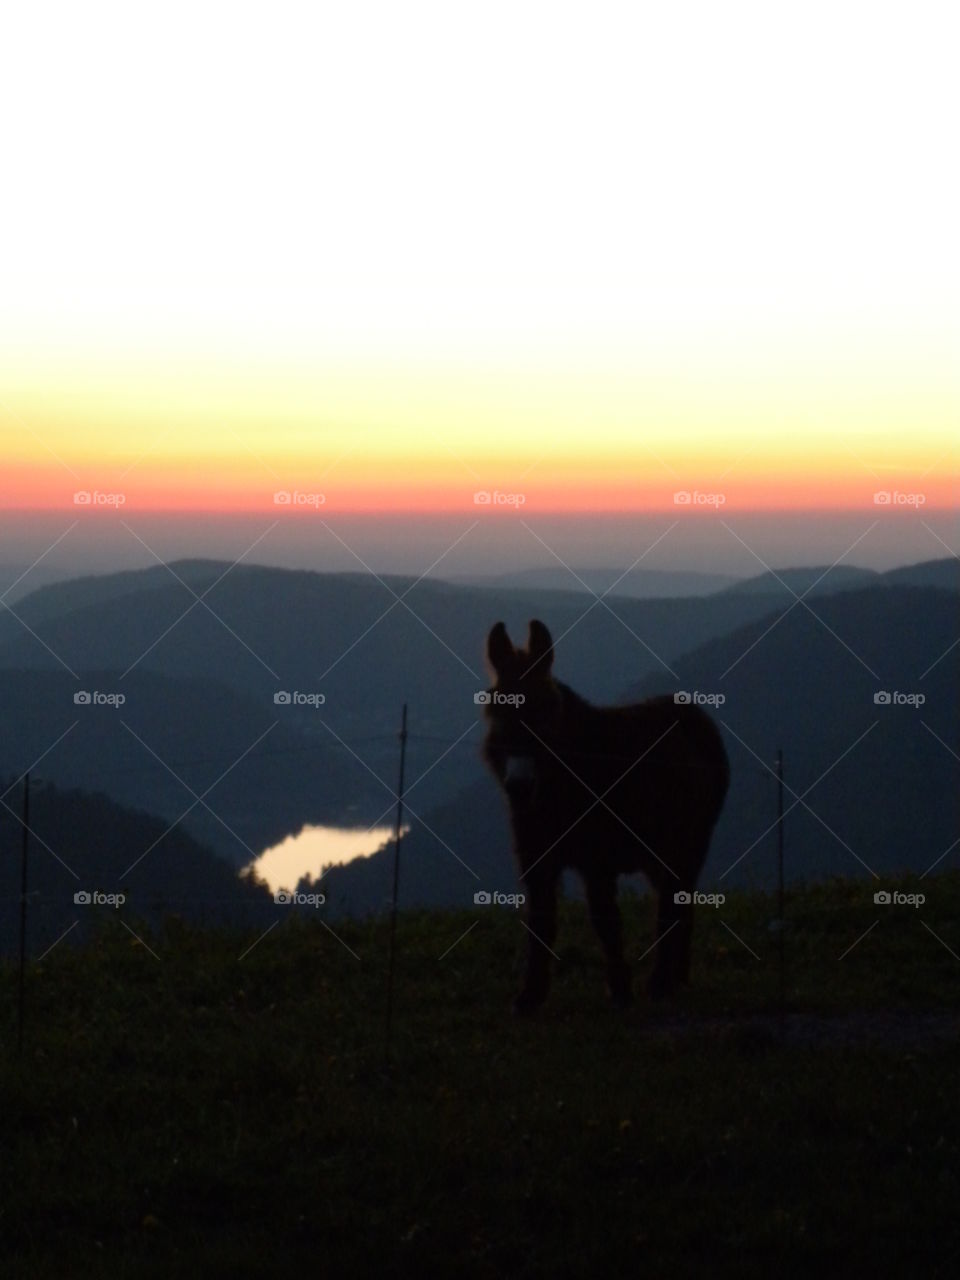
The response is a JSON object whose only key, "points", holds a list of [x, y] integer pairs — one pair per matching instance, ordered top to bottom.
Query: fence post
{"points": [[24, 846], [396, 880], [780, 880]]}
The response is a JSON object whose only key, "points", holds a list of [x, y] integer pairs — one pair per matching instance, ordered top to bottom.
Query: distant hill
{"points": [[930, 573], [823, 579], [826, 579], [20, 580], [640, 584], [63, 596], [298, 623], [260, 631], [201, 684], [174, 734], [889, 801], [83, 842]]}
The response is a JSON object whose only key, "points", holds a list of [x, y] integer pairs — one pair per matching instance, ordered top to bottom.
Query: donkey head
{"points": [[522, 710]]}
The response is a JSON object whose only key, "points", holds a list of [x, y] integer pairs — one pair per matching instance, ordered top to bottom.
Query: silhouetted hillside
{"points": [[930, 573], [20, 580], [818, 580], [828, 580], [639, 584], [57, 598], [292, 625], [345, 636], [173, 740], [882, 778], [82, 842]]}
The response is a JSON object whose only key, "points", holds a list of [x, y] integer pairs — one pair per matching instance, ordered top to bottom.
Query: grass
{"points": [[193, 1112]]}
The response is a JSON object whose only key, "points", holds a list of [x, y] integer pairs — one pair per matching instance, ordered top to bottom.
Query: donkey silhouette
{"points": [[604, 791]]}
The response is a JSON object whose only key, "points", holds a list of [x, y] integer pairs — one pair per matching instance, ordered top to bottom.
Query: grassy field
{"points": [[204, 1111]]}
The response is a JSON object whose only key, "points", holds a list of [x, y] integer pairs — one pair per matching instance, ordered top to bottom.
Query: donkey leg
{"points": [[699, 845], [605, 914], [542, 932], [684, 932], [667, 965]]}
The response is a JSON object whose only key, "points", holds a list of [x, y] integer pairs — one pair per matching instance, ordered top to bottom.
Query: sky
{"points": [[262, 266]]}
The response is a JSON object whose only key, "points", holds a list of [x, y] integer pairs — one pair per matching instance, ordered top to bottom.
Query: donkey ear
{"points": [[540, 644], [499, 647]]}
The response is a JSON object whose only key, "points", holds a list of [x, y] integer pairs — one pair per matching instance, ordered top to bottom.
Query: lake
{"points": [[314, 848]]}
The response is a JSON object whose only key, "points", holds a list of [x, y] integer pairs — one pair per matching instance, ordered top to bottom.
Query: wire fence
{"points": [[449, 744], [154, 903]]}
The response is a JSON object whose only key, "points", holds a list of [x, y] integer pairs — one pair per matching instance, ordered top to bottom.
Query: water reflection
{"points": [[312, 849]]}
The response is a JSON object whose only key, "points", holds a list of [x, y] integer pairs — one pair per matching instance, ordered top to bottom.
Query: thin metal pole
{"points": [[780, 876], [396, 878], [23, 906]]}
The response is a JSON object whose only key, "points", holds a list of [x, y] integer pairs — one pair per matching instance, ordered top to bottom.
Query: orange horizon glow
{"points": [[424, 438], [597, 482], [812, 495]]}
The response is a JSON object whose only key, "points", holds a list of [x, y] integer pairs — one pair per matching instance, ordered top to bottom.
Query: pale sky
{"points": [[433, 180]]}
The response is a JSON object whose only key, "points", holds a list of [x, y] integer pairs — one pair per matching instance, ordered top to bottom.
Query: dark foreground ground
{"points": [[183, 1111]]}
